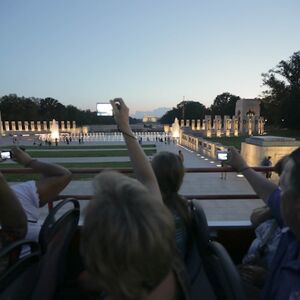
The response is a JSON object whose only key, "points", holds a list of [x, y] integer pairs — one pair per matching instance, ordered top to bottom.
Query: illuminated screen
{"points": [[104, 109], [222, 155]]}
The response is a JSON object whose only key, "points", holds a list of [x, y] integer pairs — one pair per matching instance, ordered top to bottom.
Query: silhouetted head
{"points": [[169, 171]]}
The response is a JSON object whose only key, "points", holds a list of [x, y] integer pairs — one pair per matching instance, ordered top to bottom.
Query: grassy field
{"points": [[229, 141], [236, 141], [74, 147], [82, 153], [24, 177]]}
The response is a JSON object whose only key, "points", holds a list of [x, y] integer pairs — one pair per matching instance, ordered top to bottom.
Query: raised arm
{"points": [[140, 162], [55, 177], [260, 184], [12, 215]]}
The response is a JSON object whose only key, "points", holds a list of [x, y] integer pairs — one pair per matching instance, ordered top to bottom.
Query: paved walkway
{"points": [[194, 183]]}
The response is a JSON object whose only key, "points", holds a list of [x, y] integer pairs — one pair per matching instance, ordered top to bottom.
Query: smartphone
{"points": [[104, 109], [5, 155], [222, 155]]}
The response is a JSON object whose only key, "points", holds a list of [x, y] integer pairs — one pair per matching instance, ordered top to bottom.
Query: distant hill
{"points": [[158, 112]]}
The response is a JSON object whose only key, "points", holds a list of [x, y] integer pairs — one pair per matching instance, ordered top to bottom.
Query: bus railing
{"points": [[130, 171]]}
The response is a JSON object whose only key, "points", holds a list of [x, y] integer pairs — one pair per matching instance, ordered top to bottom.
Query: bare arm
{"points": [[139, 160], [55, 178], [261, 185], [12, 215]]}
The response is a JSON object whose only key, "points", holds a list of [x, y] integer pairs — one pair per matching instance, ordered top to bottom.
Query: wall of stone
{"points": [[254, 154]]}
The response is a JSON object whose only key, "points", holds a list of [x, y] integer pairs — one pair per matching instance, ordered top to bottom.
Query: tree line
{"points": [[280, 102], [14, 108]]}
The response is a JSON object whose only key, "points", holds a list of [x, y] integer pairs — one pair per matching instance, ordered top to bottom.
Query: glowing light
{"points": [[175, 129], [54, 130], [205, 158], [212, 162], [219, 166], [240, 175]]}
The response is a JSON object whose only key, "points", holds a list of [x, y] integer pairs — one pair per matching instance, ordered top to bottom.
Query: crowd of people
{"points": [[136, 230]]}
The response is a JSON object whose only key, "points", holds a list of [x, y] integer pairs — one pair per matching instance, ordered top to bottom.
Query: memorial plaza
{"points": [[231, 211]]}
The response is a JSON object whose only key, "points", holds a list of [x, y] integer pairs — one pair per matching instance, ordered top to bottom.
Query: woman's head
{"points": [[169, 171], [127, 237]]}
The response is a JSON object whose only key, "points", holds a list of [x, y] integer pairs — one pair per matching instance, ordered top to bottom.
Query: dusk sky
{"points": [[151, 53]]}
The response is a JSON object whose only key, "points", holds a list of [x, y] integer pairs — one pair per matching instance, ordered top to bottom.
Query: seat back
{"points": [[58, 216], [55, 237], [219, 267], [19, 277]]}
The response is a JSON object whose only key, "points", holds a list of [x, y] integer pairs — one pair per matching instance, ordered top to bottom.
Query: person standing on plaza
{"points": [[267, 163]]}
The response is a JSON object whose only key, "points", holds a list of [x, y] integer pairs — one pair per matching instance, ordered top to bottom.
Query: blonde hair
{"points": [[127, 238]]}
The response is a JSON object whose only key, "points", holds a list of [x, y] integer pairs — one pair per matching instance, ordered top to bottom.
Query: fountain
{"points": [[175, 129], [54, 130]]}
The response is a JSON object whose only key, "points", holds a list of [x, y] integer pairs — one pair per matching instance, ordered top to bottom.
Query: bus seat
{"points": [[55, 237], [219, 267], [19, 277]]}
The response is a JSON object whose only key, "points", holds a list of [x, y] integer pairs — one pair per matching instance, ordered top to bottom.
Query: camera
{"points": [[5, 155], [222, 155]]}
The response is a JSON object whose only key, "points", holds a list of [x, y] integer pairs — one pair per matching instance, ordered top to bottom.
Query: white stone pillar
{"points": [[181, 123], [187, 123], [198, 124], [218, 124], [13, 125], [26, 125], [38, 125], [45, 125], [62, 125], [68, 125], [73, 125], [193, 125], [204, 125], [208, 125], [227, 125], [235, 125], [261, 125], [6, 126], [20, 126], [250, 126], [32, 127]]}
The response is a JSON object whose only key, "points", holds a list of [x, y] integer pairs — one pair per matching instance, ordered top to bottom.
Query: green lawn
{"points": [[234, 141], [74, 147], [92, 153], [24, 177]]}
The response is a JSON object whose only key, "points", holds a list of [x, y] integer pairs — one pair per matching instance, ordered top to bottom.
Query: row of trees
{"points": [[280, 102], [224, 104], [14, 108]]}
